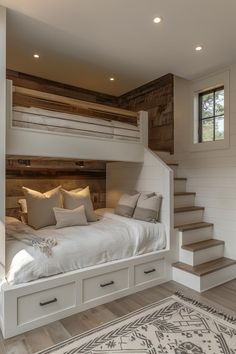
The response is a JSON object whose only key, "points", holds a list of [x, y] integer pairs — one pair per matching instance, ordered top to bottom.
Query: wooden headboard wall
{"points": [[44, 174]]}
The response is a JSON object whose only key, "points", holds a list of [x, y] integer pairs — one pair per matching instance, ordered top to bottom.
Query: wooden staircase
{"points": [[202, 264]]}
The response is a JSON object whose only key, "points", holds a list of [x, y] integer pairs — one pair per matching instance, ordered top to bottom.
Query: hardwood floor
{"points": [[222, 297]]}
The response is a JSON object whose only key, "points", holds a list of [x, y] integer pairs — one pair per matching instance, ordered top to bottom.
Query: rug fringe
{"points": [[210, 309]]}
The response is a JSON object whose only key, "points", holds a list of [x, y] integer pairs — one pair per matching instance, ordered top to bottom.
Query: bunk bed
{"points": [[88, 131]]}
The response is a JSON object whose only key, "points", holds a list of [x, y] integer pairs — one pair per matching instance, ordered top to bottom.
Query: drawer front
{"points": [[150, 271], [105, 284], [41, 304]]}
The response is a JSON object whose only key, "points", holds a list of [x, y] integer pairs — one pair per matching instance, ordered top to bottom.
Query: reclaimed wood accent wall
{"points": [[156, 97], [44, 174]]}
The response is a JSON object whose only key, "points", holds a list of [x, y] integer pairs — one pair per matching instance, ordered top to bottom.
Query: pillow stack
{"points": [[57, 206], [141, 206]]}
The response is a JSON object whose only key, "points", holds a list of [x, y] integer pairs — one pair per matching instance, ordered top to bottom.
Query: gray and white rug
{"points": [[175, 325]]}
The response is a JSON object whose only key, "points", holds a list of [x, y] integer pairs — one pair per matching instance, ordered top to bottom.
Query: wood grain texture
{"points": [[156, 97], [45, 174], [193, 226], [202, 245], [206, 268], [221, 297]]}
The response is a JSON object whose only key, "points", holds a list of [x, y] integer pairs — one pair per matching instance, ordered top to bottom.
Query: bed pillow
{"points": [[72, 200], [126, 205], [40, 206], [148, 207], [23, 211], [66, 217]]}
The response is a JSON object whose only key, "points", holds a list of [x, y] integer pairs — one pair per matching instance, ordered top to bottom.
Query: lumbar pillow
{"points": [[73, 200], [126, 205], [40, 206], [148, 207], [66, 217]]}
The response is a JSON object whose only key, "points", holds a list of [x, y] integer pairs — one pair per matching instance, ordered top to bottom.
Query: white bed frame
{"points": [[30, 305]]}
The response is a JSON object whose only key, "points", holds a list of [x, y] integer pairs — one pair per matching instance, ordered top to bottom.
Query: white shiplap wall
{"points": [[212, 174], [151, 176]]}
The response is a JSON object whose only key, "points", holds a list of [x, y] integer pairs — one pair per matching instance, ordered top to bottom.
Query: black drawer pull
{"points": [[150, 271], [107, 284], [48, 302]]}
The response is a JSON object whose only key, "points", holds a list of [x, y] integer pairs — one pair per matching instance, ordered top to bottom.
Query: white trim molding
{"points": [[198, 86]]}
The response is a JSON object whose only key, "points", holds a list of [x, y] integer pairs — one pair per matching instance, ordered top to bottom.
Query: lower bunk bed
{"points": [[89, 265]]}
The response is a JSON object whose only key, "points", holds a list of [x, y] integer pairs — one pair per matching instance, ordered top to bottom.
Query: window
{"points": [[211, 115]]}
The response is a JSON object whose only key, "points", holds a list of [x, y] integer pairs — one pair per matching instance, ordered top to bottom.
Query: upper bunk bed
{"points": [[44, 124]]}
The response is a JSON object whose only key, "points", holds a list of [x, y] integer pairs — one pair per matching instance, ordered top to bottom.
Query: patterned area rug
{"points": [[175, 325]]}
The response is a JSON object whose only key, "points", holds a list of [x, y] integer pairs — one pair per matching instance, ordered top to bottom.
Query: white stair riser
{"points": [[179, 186], [181, 201], [188, 217], [198, 235], [201, 256], [219, 277], [187, 279], [205, 282]]}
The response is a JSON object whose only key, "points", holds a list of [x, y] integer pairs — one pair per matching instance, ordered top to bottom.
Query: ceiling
{"points": [[84, 42]]}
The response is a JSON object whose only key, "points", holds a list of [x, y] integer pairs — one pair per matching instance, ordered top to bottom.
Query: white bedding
{"points": [[41, 119], [111, 238]]}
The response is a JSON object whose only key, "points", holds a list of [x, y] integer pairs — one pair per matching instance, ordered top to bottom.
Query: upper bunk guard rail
{"points": [[26, 96], [45, 124]]}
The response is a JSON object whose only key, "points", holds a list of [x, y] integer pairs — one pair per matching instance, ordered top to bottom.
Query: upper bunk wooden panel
{"points": [[121, 136]]}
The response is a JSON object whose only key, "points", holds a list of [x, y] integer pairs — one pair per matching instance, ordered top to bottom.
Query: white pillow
{"points": [[72, 200], [126, 205], [40, 206], [66, 217]]}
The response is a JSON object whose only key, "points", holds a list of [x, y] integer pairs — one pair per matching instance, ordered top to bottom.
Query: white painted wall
{"points": [[2, 135], [212, 174], [152, 176]]}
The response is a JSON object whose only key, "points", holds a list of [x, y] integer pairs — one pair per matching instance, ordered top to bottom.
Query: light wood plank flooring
{"points": [[222, 297]]}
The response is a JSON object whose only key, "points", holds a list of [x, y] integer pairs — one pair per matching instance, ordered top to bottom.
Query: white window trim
{"points": [[213, 81]]}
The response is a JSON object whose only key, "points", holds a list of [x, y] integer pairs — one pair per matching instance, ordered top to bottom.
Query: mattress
{"points": [[57, 122], [112, 237]]}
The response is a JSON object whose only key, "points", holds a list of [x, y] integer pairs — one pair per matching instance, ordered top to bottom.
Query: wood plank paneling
{"points": [[156, 97], [43, 175]]}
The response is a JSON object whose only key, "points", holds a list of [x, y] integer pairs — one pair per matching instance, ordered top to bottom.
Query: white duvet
{"points": [[111, 238]]}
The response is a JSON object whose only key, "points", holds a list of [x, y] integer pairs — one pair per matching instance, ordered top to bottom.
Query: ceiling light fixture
{"points": [[157, 19], [198, 48], [36, 56], [112, 79]]}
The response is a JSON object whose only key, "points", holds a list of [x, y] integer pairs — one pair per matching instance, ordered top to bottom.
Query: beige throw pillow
{"points": [[72, 200], [126, 205], [40, 206], [148, 207], [66, 217]]}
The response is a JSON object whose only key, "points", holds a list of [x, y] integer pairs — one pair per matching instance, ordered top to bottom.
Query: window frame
{"points": [[217, 79], [214, 116]]}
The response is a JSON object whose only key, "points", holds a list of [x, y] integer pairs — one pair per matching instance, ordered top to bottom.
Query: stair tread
{"points": [[172, 164], [180, 179], [184, 193], [187, 209], [193, 226], [198, 246], [205, 268]]}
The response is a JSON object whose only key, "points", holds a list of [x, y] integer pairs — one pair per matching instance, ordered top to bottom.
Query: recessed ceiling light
{"points": [[157, 19], [198, 48], [36, 56], [112, 79]]}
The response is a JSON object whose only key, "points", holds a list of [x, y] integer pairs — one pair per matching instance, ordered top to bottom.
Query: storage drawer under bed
{"points": [[149, 271], [105, 284], [44, 303]]}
